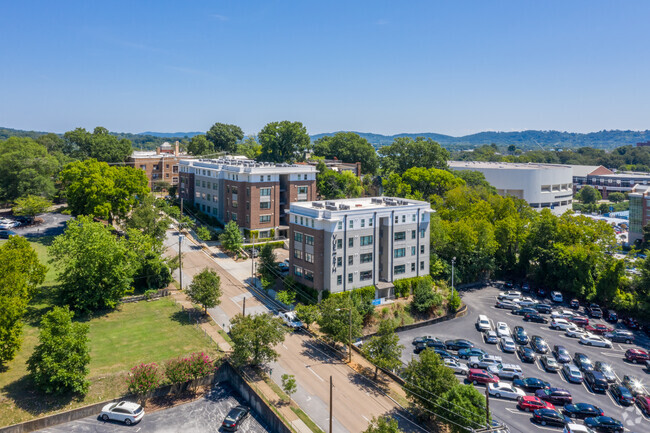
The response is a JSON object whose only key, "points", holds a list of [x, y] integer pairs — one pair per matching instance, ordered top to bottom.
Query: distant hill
{"points": [[172, 134]]}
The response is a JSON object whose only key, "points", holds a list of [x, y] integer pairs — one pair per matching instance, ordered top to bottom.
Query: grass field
{"points": [[134, 333]]}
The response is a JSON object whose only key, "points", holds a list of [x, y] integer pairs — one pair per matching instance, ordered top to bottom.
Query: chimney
{"points": [[176, 148], [158, 150]]}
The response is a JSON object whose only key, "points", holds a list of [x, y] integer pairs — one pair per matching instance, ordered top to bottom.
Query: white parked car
{"points": [[512, 294], [557, 297], [526, 302], [506, 304], [562, 314], [291, 320], [483, 323], [561, 324], [503, 330], [574, 332], [490, 337], [595, 340], [507, 344], [483, 361], [456, 366], [507, 371], [505, 390], [124, 411]]}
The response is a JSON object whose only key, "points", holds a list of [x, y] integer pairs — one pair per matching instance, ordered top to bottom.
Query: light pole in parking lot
{"points": [[453, 261]]}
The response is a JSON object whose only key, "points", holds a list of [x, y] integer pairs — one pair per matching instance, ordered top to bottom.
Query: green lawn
{"points": [[40, 246]]}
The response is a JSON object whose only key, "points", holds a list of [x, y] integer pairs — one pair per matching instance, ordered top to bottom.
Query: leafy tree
{"points": [[224, 137], [283, 141], [52, 142], [100, 145], [200, 145], [348, 147], [249, 148], [406, 152], [25, 169], [474, 178], [421, 183], [332, 184], [98, 189], [589, 195], [616, 197], [31, 205], [148, 218], [203, 233], [231, 238], [266, 263], [94, 266], [151, 270], [20, 274], [610, 280], [205, 289], [287, 297], [424, 297], [454, 302], [307, 314], [334, 320], [254, 338], [384, 350], [59, 363], [289, 384], [464, 406], [383, 424]]}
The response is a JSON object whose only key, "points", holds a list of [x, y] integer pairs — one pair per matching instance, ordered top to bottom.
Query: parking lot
{"points": [[482, 301], [203, 415]]}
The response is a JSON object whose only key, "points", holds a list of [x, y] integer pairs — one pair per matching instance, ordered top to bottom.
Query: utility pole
{"points": [[180, 224], [180, 260], [253, 260], [453, 260], [243, 311], [350, 333], [331, 386], [487, 407]]}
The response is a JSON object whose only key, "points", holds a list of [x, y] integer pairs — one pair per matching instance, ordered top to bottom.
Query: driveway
{"points": [[53, 225], [200, 416]]}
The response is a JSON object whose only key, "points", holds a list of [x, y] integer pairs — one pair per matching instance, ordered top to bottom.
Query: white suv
{"points": [[557, 297], [291, 320], [483, 323], [561, 324], [507, 371]]}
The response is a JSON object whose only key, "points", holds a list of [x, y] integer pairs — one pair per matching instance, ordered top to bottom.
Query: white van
{"points": [[483, 323]]}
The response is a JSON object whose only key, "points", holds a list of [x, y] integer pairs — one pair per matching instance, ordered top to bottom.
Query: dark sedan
{"points": [[543, 308], [524, 311], [535, 318], [631, 323], [520, 336], [458, 344], [538, 344], [474, 351], [526, 354], [561, 354], [583, 362], [606, 370], [596, 381], [531, 384], [555, 395], [622, 395], [582, 410], [235, 417], [550, 417], [604, 424]]}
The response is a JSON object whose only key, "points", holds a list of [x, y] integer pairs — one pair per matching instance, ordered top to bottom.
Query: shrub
{"points": [[203, 233], [454, 302], [200, 365], [177, 371], [144, 378]]}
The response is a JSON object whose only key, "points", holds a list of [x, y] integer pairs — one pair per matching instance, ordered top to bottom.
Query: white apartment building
{"points": [[540, 185], [340, 245]]}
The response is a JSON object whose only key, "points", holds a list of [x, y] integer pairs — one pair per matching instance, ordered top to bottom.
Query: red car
{"points": [[580, 320], [631, 323], [598, 329], [636, 355], [476, 376], [643, 401], [530, 403]]}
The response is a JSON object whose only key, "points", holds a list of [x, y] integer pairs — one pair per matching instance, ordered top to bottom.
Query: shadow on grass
{"points": [[189, 317], [26, 397]]}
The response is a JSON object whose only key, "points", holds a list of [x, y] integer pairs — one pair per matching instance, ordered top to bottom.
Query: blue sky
{"points": [[453, 67]]}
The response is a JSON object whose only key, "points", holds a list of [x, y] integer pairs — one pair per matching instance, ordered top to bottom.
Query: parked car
{"points": [[4, 234], [253, 252], [283, 266], [525, 286], [542, 292], [511, 294], [557, 297], [526, 302], [506, 304], [575, 304], [543, 308], [593, 310], [524, 311], [562, 314], [610, 316], [535, 318], [291, 320], [580, 320], [483, 323], [631, 323], [561, 324], [502, 329], [598, 329], [574, 332], [520, 335], [620, 336], [490, 337], [423, 339], [595, 340], [458, 344], [507, 344], [538, 344], [468, 353], [444, 354], [526, 354], [561, 354], [636, 355], [484, 361], [583, 362], [550, 363], [456, 366], [606, 370], [506, 371], [572, 373], [477, 376], [596, 381], [531, 384], [634, 385], [505, 390], [555, 395], [622, 395], [643, 401], [530, 403], [582, 410], [124, 411], [235, 417], [550, 417], [604, 424], [577, 428]]}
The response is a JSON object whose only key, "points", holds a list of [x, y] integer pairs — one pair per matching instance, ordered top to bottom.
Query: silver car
{"points": [[490, 337], [507, 344], [456, 366], [572, 373], [124, 411]]}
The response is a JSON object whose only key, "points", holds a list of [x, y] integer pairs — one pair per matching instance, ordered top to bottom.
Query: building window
{"points": [[144, 167], [166, 174], [261, 178], [268, 178], [198, 182], [207, 185], [214, 185], [234, 190], [248, 191], [264, 192], [198, 194], [208, 197], [234, 203], [265, 205], [214, 210], [234, 216], [414, 217], [248, 218], [265, 218], [403, 218], [396, 219], [302, 222], [363, 222], [369, 222], [351, 224], [340, 225], [422, 233], [412, 234], [297, 236], [400, 236], [309, 240], [366, 240], [351, 242], [339, 243], [421, 249], [413, 250], [399, 252], [297, 254], [309, 258], [365, 258], [350, 260], [339, 261], [421, 266], [412, 267], [399, 269], [297, 271], [309, 275], [365, 275], [350, 278], [339, 280]]}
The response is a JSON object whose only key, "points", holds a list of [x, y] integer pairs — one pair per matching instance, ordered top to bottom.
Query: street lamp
{"points": [[453, 261]]}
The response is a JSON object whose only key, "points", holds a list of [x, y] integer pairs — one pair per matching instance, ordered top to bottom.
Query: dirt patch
{"points": [[401, 313]]}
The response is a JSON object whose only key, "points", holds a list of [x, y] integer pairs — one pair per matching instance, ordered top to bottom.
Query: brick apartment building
{"points": [[160, 165], [256, 195], [346, 244]]}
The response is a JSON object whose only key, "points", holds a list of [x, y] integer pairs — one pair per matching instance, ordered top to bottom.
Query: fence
{"points": [[160, 294]]}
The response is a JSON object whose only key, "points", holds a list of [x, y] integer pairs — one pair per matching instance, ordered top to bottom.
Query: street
{"points": [[481, 301]]}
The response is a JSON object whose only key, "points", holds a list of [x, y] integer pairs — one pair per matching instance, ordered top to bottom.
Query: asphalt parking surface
{"points": [[53, 225], [481, 301], [203, 415]]}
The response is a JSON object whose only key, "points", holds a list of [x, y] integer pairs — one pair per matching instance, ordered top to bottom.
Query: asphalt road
{"points": [[53, 225], [481, 301], [204, 415]]}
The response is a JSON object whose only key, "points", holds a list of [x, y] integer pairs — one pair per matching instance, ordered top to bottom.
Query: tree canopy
{"points": [[224, 137], [283, 141], [99, 145], [200, 145], [348, 147], [406, 152], [26, 168], [332, 184], [31, 206], [231, 238], [205, 289], [334, 320], [254, 338], [383, 349]]}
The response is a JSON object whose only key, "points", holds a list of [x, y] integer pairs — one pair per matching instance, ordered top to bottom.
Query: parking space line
{"points": [[314, 373], [614, 401]]}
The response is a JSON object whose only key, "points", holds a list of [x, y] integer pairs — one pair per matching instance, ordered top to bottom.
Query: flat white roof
{"points": [[244, 165], [459, 165], [362, 203]]}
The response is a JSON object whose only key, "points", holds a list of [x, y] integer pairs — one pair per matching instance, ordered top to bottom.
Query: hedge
{"points": [[276, 244], [405, 286], [367, 293]]}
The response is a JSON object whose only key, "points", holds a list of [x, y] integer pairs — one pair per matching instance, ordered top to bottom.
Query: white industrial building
{"points": [[541, 185]]}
